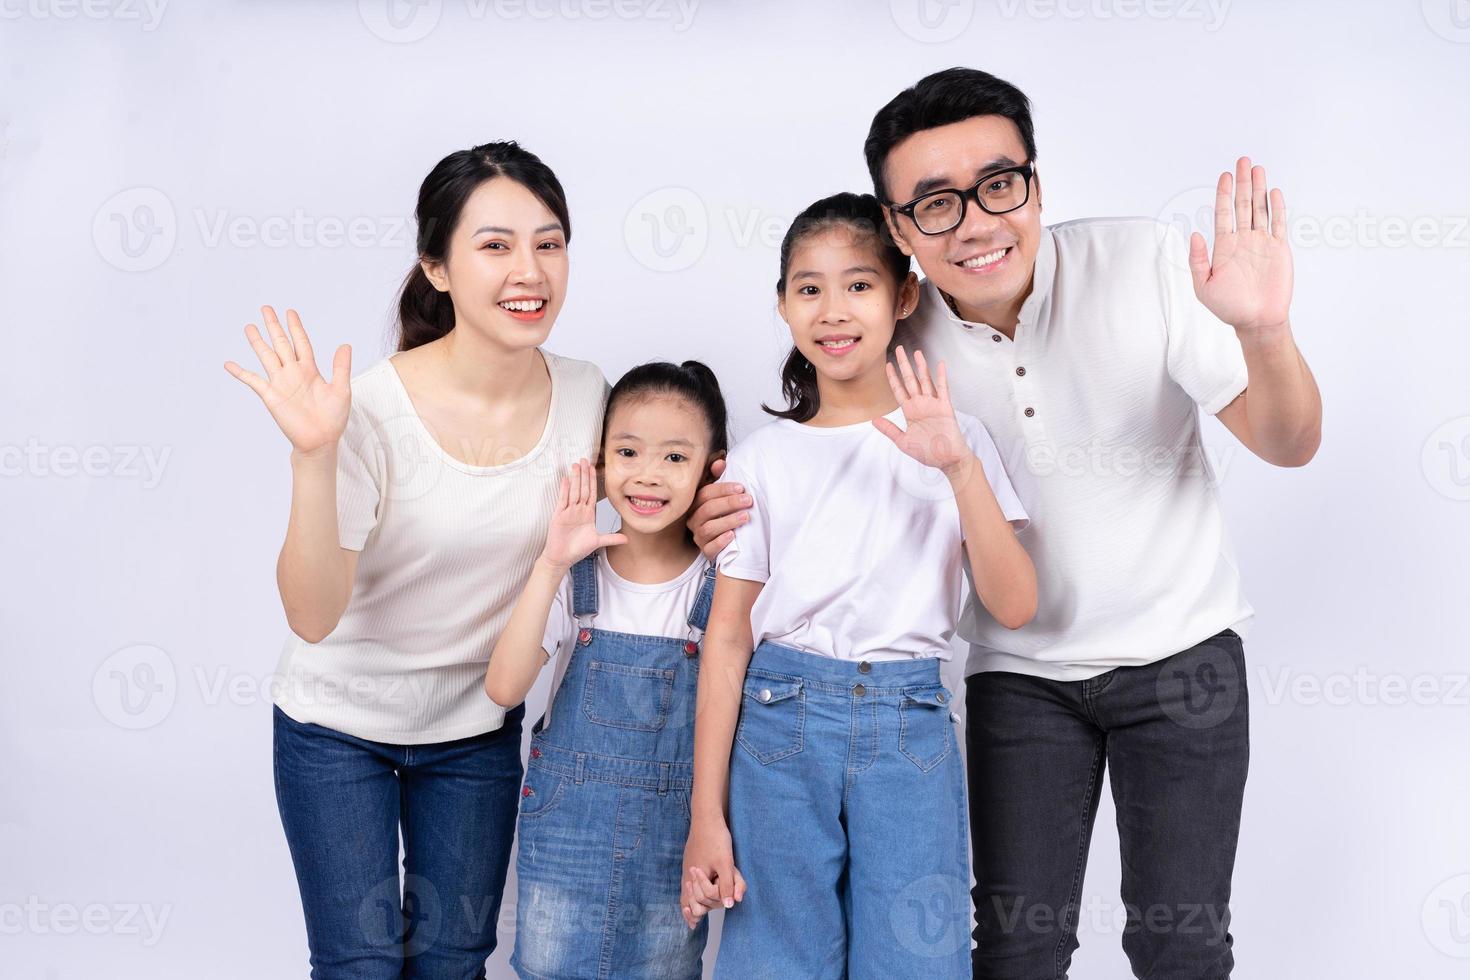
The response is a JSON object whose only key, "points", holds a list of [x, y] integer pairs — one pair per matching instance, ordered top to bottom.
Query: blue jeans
{"points": [[1173, 737], [343, 802], [847, 810]]}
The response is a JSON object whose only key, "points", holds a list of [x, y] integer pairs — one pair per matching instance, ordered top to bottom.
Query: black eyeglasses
{"points": [[997, 193]]}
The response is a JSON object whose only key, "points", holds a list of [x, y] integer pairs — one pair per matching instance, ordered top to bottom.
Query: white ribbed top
{"points": [[446, 548]]}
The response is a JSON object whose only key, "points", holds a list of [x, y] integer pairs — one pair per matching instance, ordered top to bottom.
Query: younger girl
{"points": [[834, 607], [605, 806]]}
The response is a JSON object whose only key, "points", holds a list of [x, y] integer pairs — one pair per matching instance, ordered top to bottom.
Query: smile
{"points": [[987, 261], [524, 309], [836, 346], [647, 505]]}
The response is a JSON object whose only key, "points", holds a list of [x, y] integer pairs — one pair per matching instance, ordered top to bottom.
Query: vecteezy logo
{"points": [[1450, 19], [400, 21], [932, 21], [1187, 212], [668, 229], [134, 230], [1446, 459], [135, 687], [1199, 688], [931, 916], [1446, 917], [410, 922]]}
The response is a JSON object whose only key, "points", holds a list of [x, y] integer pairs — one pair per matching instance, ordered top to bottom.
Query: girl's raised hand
{"points": [[311, 411], [933, 436], [573, 533]]}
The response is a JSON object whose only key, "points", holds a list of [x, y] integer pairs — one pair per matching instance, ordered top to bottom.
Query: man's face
{"points": [[985, 262]]}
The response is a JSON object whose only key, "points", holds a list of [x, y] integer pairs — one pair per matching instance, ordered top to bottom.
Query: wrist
{"points": [[321, 456], [959, 471], [547, 565]]}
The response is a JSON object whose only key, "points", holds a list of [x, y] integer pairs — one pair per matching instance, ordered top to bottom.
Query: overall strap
{"points": [[584, 587], [699, 612]]}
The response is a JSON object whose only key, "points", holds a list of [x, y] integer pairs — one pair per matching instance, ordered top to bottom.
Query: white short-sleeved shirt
{"points": [[1095, 408], [859, 545], [446, 548], [657, 609]]}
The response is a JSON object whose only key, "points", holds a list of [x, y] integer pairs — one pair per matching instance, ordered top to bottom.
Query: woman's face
{"points": [[506, 268], [841, 302]]}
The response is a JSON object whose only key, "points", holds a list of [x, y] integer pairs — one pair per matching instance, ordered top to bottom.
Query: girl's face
{"points": [[506, 269], [841, 302], [654, 459]]}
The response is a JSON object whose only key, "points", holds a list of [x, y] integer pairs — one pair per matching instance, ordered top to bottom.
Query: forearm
{"points": [[1282, 403], [311, 571], [1005, 579], [726, 654], [518, 655]]}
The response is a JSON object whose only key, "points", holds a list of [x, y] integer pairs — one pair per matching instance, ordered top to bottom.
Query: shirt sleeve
{"points": [[1204, 355], [995, 472], [360, 479], [748, 555], [561, 626]]}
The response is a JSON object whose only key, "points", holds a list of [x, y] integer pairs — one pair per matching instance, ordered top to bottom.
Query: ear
{"points": [[1036, 189], [896, 230], [434, 272], [908, 296], [708, 476]]}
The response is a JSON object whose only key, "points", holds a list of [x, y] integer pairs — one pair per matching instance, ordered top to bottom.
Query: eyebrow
{"points": [[938, 183], [498, 230], [855, 270], [630, 437]]}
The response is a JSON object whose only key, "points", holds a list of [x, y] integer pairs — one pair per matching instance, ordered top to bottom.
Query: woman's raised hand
{"points": [[311, 411], [933, 436], [573, 533]]}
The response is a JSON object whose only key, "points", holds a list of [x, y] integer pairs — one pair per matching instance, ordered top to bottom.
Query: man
{"points": [[1087, 350]]}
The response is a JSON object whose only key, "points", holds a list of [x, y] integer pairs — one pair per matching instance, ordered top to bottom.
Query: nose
{"points": [[978, 224], [526, 271], [834, 307]]}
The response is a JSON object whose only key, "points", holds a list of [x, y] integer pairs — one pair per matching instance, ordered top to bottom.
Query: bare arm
{"points": [[1248, 283], [571, 536], [314, 573], [1005, 579], [710, 876]]}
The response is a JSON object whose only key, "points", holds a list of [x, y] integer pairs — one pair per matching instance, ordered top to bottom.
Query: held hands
{"points": [[1247, 283], [311, 411], [933, 437], [573, 533], [711, 880]]}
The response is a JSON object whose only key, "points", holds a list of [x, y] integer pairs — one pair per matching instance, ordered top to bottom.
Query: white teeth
{"points": [[983, 260], [523, 305], [837, 344]]}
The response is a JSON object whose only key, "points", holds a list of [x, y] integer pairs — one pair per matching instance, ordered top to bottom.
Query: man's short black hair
{"points": [[945, 97]]}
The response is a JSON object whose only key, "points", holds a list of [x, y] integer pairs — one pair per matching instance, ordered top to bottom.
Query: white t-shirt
{"points": [[1113, 358], [859, 545], [446, 548], [657, 609]]}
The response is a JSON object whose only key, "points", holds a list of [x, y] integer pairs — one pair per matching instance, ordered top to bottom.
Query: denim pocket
{"points": [[635, 698], [772, 716], [925, 733], [541, 792]]}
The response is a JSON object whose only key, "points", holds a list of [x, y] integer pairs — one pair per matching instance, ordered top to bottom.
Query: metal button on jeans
{"points": [[864, 667], [859, 690], [765, 694], [940, 697]]}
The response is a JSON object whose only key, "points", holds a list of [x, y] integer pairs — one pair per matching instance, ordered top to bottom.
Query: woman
{"points": [[421, 496]]}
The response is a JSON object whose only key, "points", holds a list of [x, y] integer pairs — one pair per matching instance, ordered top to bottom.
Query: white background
{"points": [[165, 172]]}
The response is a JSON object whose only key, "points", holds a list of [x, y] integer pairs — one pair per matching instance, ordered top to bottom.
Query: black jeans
{"points": [[1174, 737]]}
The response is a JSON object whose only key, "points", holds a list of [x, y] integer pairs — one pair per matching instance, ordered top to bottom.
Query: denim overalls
{"points": [[605, 806]]}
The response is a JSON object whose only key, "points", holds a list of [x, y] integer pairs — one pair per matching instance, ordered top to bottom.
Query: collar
{"points": [[1043, 275]]}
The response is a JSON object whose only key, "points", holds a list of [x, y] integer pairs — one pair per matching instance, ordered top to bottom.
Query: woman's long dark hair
{"points": [[864, 215], [424, 313]]}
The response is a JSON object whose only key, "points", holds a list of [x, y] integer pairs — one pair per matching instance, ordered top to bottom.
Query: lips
{"points": [[986, 261], [526, 308], [837, 345], [647, 505]]}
